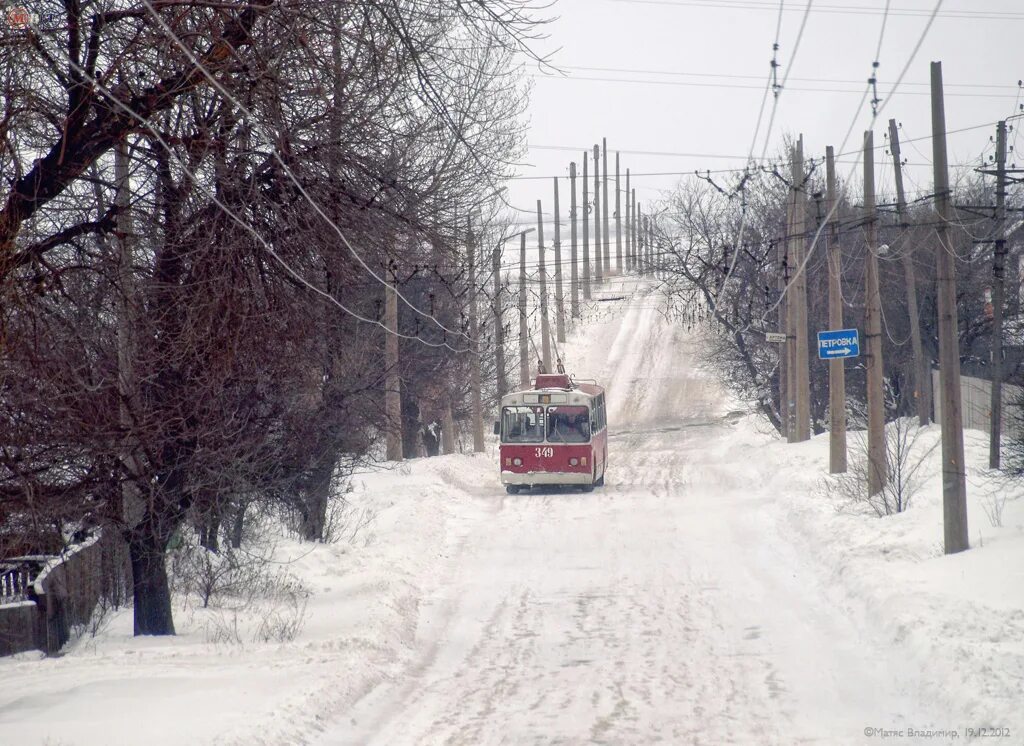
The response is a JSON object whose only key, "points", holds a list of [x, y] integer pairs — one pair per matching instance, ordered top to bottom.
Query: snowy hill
{"points": [[710, 593]]}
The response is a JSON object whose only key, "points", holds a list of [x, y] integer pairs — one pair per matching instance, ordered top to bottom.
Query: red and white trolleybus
{"points": [[553, 434]]}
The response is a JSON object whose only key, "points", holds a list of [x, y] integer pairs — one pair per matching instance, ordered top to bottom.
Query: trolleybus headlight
{"points": [[517, 461], [573, 461]]}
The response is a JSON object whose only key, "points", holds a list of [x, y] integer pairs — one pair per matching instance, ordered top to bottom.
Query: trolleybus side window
{"points": [[597, 416], [522, 424], [568, 425]]}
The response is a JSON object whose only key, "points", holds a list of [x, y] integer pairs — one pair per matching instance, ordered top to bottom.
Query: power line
{"points": [[832, 9]]}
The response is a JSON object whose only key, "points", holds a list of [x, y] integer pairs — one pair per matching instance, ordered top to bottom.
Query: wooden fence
{"points": [[976, 404], [42, 598]]}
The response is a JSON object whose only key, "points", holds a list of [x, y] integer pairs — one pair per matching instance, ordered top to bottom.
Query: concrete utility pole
{"points": [[618, 218], [639, 219], [586, 229], [633, 230], [629, 234], [607, 264], [598, 268], [574, 276], [998, 285], [559, 298], [788, 298], [545, 327], [783, 327], [524, 339], [474, 346], [837, 367], [922, 369], [803, 380], [501, 385], [392, 390], [878, 466], [954, 476]]}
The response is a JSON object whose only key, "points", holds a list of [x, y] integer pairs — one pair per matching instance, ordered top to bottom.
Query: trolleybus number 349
{"points": [[548, 452]]}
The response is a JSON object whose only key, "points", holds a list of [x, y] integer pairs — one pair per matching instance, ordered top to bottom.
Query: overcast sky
{"points": [[693, 73]]}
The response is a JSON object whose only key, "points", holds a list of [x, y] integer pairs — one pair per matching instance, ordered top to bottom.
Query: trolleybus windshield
{"points": [[522, 424], [568, 425]]}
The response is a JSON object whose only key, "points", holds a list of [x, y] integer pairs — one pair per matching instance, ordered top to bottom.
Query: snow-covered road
{"points": [[668, 607]]}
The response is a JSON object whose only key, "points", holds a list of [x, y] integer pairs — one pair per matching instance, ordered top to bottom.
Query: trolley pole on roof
{"points": [[598, 270], [574, 275], [559, 297]]}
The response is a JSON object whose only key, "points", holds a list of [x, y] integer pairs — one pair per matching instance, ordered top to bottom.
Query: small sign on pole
{"points": [[774, 337], [838, 343]]}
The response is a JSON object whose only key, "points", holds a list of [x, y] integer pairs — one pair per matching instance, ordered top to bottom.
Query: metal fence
{"points": [[976, 404]]}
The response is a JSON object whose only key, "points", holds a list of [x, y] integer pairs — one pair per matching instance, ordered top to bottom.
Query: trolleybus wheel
{"points": [[586, 488], [512, 489]]}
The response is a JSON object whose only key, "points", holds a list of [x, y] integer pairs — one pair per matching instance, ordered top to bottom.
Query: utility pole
{"points": [[618, 218], [639, 218], [629, 219], [633, 228], [586, 229], [607, 264], [598, 269], [574, 278], [998, 286], [789, 295], [559, 298], [783, 326], [545, 329], [524, 340], [474, 344], [836, 367], [922, 370], [803, 381], [501, 385], [392, 391], [878, 467], [954, 476]]}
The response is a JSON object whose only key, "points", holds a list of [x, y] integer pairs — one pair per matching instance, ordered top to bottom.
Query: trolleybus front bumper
{"points": [[534, 478]]}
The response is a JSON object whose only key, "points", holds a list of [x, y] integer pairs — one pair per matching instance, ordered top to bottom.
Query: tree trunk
{"points": [[315, 499], [238, 525], [149, 585]]}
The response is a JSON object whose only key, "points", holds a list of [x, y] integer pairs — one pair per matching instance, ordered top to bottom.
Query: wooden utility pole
{"points": [[618, 218], [629, 223], [586, 229], [606, 253], [598, 269], [574, 276], [998, 293], [559, 298], [545, 328], [524, 339], [836, 367], [922, 369], [476, 379], [803, 380], [501, 384], [392, 390], [878, 467], [954, 476]]}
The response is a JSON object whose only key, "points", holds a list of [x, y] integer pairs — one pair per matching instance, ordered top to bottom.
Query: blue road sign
{"points": [[838, 343]]}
